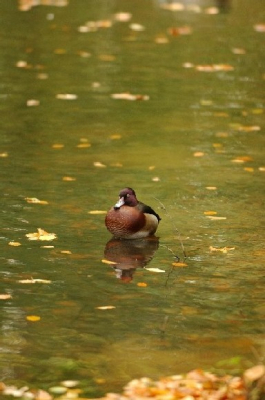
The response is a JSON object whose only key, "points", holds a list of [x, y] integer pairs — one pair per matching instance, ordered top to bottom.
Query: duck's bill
{"points": [[119, 203]]}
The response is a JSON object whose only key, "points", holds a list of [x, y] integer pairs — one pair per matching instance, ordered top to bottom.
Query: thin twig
{"points": [[174, 226]]}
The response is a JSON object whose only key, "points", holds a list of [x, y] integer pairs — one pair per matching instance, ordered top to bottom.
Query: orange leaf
{"points": [[179, 264], [141, 284]]}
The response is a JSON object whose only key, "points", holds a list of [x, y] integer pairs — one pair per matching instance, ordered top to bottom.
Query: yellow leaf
{"points": [[115, 136], [83, 145], [57, 146], [198, 154], [3, 155], [99, 164], [249, 169], [262, 169], [68, 179], [211, 187], [34, 200], [97, 212], [210, 213], [215, 218], [41, 235], [15, 244], [221, 249], [66, 252], [108, 261], [179, 264], [155, 270], [34, 281], [141, 284], [5, 296], [105, 307], [32, 318]]}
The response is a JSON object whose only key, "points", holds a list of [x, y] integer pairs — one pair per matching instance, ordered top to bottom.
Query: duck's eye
{"points": [[127, 195]]}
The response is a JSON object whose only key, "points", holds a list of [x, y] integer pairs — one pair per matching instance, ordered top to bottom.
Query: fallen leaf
{"points": [[172, 6], [212, 10], [123, 16], [137, 27], [259, 27], [182, 30], [161, 40], [237, 50], [187, 65], [214, 67], [66, 96], [129, 96], [33, 103], [251, 128], [115, 136], [83, 145], [57, 146], [198, 154], [3, 155], [242, 159], [99, 164], [249, 169], [262, 169], [69, 179], [156, 179], [211, 187], [34, 200], [97, 212], [210, 213], [215, 218], [41, 235], [15, 244], [47, 247], [221, 249], [66, 252], [108, 262], [179, 264], [155, 270], [34, 281], [141, 284], [5, 296], [105, 307], [32, 318], [253, 374], [70, 383]]}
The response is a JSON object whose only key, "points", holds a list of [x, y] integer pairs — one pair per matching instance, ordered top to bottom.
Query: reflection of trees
{"points": [[25, 5]]}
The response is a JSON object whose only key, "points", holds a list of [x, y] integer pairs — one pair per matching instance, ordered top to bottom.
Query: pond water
{"points": [[186, 131]]}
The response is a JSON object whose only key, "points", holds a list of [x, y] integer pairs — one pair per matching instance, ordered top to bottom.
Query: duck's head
{"points": [[127, 197]]}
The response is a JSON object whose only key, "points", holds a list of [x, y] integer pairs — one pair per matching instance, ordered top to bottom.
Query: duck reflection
{"points": [[129, 255]]}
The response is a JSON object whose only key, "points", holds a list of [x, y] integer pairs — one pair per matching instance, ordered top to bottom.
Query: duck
{"points": [[129, 218]]}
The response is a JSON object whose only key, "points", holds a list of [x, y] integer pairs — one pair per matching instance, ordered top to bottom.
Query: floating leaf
{"points": [[172, 6], [212, 10], [123, 16], [137, 27], [259, 28], [182, 30], [161, 40], [237, 50], [187, 65], [214, 67], [66, 96], [129, 96], [33, 103], [251, 128], [115, 136], [83, 145], [57, 146], [198, 154], [3, 155], [242, 159], [99, 164], [249, 169], [262, 169], [69, 179], [156, 179], [211, 187], [34, 200], [97, 212], [210, 213], [215, 218], [41, 235], [15, 244], [47, 247], [221, 249], [66, 252], [108, 262], [179, 264], [155, 270], [34, 281], [141, 284], [5, 296], [105, 307], [32, 318], [70, 383], [58, 390]]}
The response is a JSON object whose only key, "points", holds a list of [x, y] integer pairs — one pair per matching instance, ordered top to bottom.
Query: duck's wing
{"points": [[147, 209]]}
